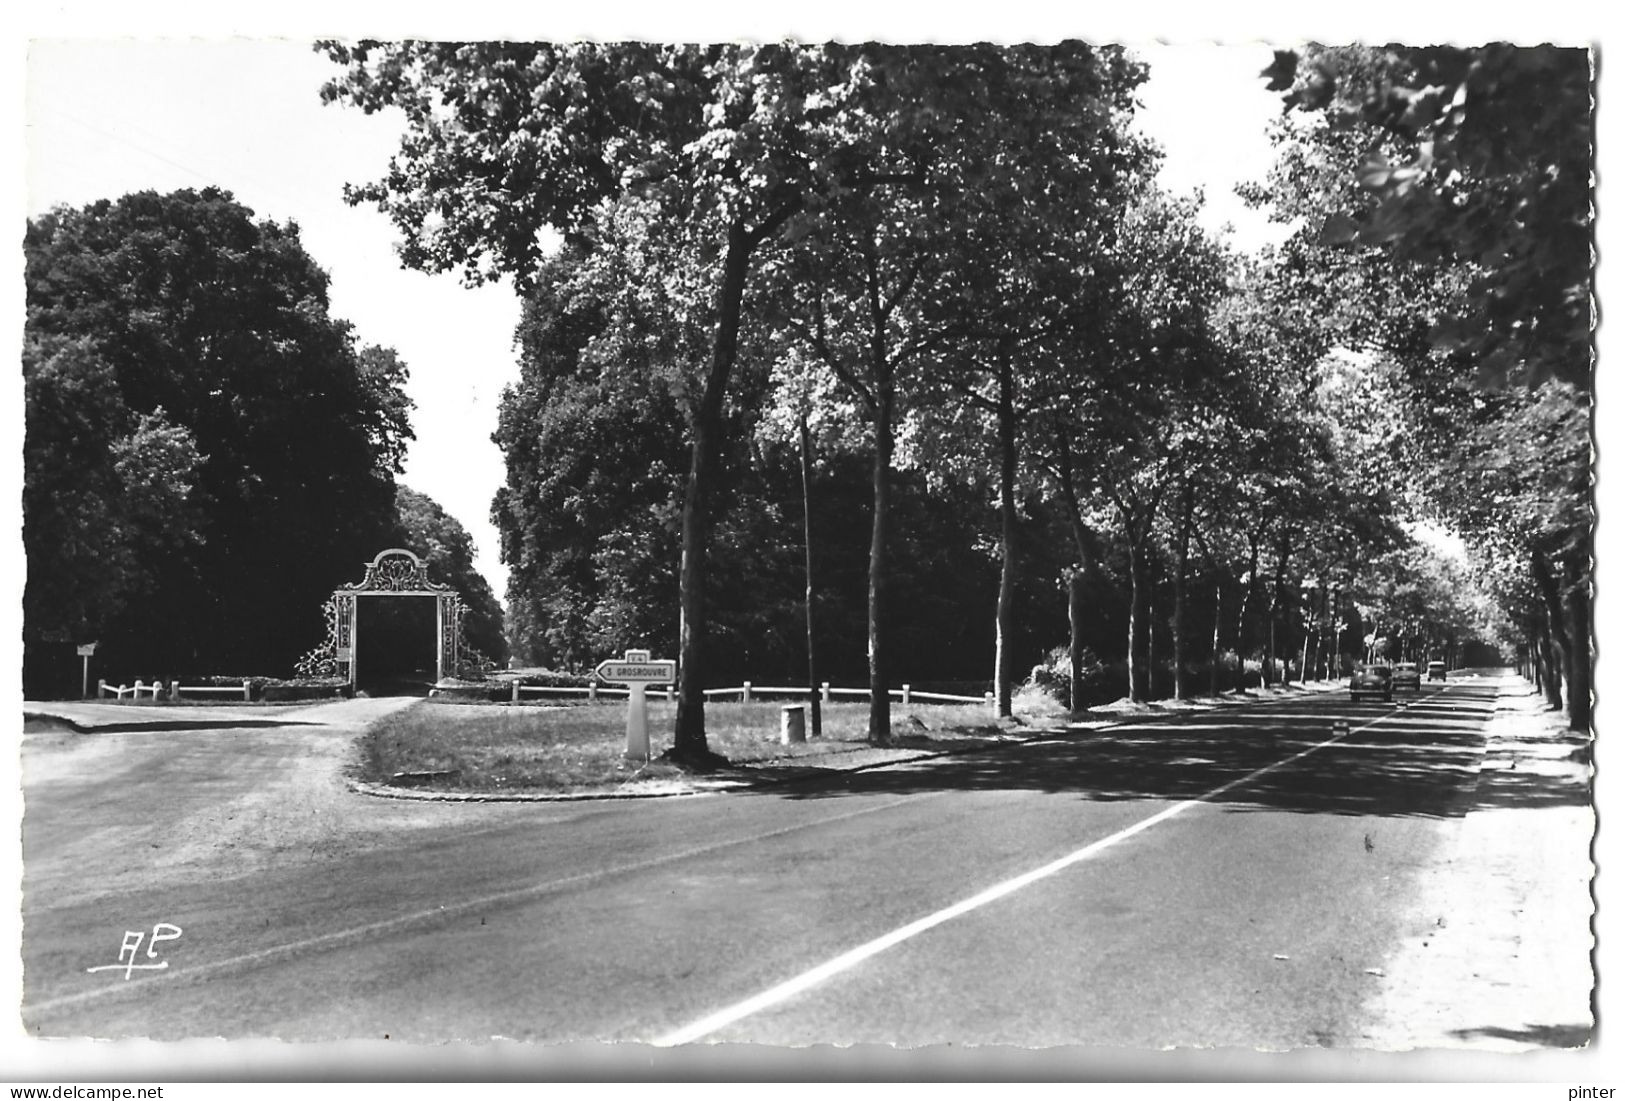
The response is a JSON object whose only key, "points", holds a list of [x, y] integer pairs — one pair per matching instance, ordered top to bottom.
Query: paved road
{"points": [[1230, 878]]}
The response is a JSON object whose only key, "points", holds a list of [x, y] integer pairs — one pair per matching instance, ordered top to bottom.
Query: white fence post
{"points": [[101, 688], [246, 691], [592, 691], [824, 692], [668, 693], [905, 695], [514, 697], [746, 698], [989, 698]]}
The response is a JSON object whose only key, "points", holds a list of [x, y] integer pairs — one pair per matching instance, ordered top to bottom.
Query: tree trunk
{"points": [[1181, 558], [1074, 583], [1247, 591], [1277, 603], [1577, 604], [1218, 610], [1004, 618], [879, 628], [1150, 643], [1074, 645], [1557, 646], [1548, 655], [1135, 692], [814, 697], [688, 740]]}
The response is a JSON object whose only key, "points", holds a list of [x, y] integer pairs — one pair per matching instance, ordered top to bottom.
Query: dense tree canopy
{"points": [[1444, 201], [947, 264], [206, 445]]}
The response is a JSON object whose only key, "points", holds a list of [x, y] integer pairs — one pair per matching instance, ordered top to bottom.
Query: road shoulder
{"points": [[1498, 958]]}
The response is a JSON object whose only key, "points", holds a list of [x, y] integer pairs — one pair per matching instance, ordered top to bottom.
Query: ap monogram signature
{"points": [[132, 946]]}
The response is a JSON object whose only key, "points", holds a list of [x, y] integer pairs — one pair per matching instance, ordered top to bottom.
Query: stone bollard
{"points": [[248, 690], [592, 691], [823, 692], [905, 695], [514, 697], [746, 697], [988, 697], [792, 723]]}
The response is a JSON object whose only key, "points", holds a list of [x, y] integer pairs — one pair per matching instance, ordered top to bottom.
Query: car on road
{"points": [[1435, 670], [1407, 675], [1371, 680]]}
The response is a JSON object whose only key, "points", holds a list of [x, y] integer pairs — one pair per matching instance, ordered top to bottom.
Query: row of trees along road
{"points": [[1444, 200], [946, 264], [207, 452]]}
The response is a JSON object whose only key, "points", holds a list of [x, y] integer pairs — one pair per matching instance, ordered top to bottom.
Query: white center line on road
{"points": [[808, 979]]}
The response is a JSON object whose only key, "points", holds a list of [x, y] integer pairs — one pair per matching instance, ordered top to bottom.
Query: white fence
{"points": [[157, 690], [133, 691], [747, 692]]}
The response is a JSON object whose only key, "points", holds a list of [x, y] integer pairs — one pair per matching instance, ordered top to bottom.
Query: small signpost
{"points": [[637, 672], [84, 684]]}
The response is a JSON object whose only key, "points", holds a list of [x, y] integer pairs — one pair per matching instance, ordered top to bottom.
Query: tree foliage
{"points": [[1478, 156], [1448, 191], [194, 408], [426, 529]]}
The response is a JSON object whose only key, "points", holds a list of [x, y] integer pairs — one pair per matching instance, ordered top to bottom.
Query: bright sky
{"points": [[107, 117], [103, 119]]}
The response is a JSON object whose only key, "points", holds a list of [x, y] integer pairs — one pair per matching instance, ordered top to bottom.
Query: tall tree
{"points": [[731, 145], [1025, 153], [211, 322], [106, 492]]}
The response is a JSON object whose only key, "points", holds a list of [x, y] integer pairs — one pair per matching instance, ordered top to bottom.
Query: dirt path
{"points": [[236, 800]]}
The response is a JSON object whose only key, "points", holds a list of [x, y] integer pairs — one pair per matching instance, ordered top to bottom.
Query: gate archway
{"points": [[393, 572]]}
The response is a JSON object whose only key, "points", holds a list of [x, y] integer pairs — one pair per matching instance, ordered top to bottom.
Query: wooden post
{"points": [[824, 691], [905, 695], [746, 698]]}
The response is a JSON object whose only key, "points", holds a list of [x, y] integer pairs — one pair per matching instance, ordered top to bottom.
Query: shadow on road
{"points": [[32, 723], [1422, 761]]}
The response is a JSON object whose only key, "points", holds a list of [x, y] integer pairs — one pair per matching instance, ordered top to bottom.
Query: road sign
{"points": [[87, 649], [637, 672]]}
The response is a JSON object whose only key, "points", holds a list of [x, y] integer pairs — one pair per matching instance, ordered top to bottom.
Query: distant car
{"points": [[1435, 670], [1407, 675], [1372, 680]]}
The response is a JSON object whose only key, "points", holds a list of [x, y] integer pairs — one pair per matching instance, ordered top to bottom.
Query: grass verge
{"points": [[462, 746]]}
